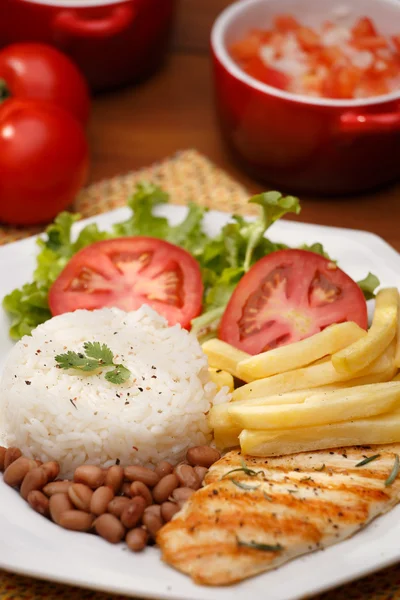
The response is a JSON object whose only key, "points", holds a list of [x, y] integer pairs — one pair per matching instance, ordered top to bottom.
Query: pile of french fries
{"points": [[338, 387]]}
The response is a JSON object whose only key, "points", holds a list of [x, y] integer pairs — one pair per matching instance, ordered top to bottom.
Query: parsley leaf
{"points": [[97, 356]]}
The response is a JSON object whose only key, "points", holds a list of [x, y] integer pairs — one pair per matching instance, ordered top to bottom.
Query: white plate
{"points": [[34, 546]]}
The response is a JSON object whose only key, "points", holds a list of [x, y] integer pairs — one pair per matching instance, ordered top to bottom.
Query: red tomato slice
{"points": [[364, 28], [127, 273], [287, 296]]}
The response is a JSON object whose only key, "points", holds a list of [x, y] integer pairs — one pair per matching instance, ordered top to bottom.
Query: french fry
{"points": [[397, 352], [362, 353], [300, 354], [223, 356], [313, 376], [221, 378], [320, 409], [381, 429], [225, 438]]}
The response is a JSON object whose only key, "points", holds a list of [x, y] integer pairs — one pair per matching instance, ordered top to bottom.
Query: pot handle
{"points": [[69, 22], [357, 122]]}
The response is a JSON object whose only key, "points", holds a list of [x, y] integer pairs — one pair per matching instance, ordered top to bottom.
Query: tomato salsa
{"points": [[331, 61]]}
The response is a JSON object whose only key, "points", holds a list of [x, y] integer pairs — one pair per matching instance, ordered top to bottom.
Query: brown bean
{"points": [[11, 455], [202, 456], [2, 457], [38, 463], [163, 468], [52, 469], [200, 472], [15, 473], [90, 475], [146, 476], [187, 477], [115, 478], [35, 479], [57, 487], [165, 487], [126, 489], [140, 489], [182, 495], [80, 496], [101, 499], [39, 502], [58, 504], [118, 504], [154, 509], [168, 510], [133, 512], [76, 520], [152, 522], [110, 528], [136, 539]]}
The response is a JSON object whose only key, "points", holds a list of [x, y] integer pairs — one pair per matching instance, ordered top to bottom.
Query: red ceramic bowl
{"points": [[114, 42], [299, 143]]}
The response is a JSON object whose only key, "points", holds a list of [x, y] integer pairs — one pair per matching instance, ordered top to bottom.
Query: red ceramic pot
{"points": [[113, 42], [300, 143]]}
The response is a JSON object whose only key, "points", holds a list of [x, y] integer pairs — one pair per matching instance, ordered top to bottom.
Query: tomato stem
{"points": [[4, 91]]}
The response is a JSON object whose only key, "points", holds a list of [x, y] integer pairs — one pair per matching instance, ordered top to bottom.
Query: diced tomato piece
{"points": [[285, 23], [364, 28], [307, 38], [372, 42], [396, 42], [247, 48], [329, 56], [259, 70], [342, 82], [313, 84], [373, 86]]}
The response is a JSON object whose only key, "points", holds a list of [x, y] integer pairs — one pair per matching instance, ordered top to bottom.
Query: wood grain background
{"points": [[194, 22]]}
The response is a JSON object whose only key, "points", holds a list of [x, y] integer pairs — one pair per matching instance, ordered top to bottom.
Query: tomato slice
{"points": [[259, 70], [127, 273], [287, 296]]}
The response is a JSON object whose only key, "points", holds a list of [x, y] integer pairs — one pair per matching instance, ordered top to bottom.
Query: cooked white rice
{"points": [[77, 418]]}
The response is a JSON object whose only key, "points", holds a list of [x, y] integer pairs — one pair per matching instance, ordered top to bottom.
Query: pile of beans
{"points": [[119, 503]]}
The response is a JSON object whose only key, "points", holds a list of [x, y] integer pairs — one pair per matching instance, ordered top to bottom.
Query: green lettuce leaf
{"points": [[368, 286]]}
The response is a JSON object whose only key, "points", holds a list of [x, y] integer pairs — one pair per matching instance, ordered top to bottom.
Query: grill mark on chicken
{"points": [[225, 533]]}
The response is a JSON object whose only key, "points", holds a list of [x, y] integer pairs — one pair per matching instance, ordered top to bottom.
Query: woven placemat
{"points": [[186, 176]]}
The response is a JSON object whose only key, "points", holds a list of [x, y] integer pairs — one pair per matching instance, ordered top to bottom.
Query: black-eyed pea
{"points": [[164, 468], [52, 469], [143, 474], [152, 522]]}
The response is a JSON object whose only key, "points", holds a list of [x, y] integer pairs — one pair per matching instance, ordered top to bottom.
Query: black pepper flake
{"points": [[115, 332], [153, 367], [218, 371], [154, 376], [28, 382], [140, 389], [118, 395], [73, 403], [126, 403], [331, 453], [344, 455], [117, 462], [215, 492]]}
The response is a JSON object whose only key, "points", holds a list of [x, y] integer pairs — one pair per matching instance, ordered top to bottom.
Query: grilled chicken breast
{"points": [[255, 514]]}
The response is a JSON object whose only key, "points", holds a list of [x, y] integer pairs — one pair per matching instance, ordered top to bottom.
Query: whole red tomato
{"points": [[40, 72], [43, 161]]}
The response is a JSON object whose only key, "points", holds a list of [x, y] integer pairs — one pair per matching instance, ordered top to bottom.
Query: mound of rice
{"points": [[77, 418]]}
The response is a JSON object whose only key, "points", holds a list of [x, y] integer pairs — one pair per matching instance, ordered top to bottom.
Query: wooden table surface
{"points": [[174, 110]]}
